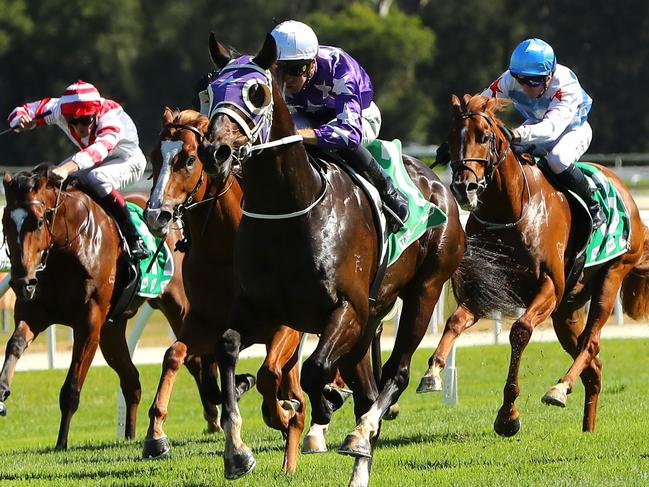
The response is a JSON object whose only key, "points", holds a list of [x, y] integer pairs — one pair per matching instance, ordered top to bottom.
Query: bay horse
{"points": [[210, 208], [515, 208], [306, 254], [66, 267]]}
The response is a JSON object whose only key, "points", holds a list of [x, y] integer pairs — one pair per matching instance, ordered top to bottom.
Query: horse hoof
{"points": [[245, 382], [429, 383], [336, 395], [555, 397], [3, 409], [392, 413], [507, 428], [314, 444], [356, 447], [155, 448], [239, 465]]}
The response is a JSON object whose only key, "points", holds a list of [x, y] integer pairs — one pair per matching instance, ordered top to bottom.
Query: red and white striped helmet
{"points": [[80, 99]]}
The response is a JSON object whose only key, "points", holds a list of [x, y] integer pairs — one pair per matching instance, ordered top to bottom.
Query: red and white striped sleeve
{"points": [[34, 109], [109, 132]]}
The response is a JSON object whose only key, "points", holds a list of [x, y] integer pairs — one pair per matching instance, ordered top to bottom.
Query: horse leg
{"points": [[602, 302], [418, 306], [460, 320], [568, 326], [22, 336], [86, 340], [337, 340], [112, 341], [205, 372], [278, 381], [365, 394], [508, 421], [156, 443], [237, 456]]}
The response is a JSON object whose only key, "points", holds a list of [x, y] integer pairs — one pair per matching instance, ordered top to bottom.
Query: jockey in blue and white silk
{"points": [[555, 107]]}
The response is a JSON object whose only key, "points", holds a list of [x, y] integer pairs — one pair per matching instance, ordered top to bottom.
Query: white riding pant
{"points": [[370, 119], [567, 150], [115, 172]]}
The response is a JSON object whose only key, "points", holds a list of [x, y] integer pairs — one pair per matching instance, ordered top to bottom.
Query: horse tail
{"points": [[635, 287]]}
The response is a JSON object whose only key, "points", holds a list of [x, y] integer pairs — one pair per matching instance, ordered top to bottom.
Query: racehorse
{"points": [[210, 207], [515, 208], [306, 254], [67, 267]]}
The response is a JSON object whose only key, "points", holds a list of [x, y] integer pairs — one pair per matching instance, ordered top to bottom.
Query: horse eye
{"points": [[485, 138], [191, 160], [40, 223]]}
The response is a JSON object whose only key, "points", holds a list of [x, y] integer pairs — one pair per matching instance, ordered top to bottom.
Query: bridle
{"points": [[258, 120], [490, 164], [50, 220]]}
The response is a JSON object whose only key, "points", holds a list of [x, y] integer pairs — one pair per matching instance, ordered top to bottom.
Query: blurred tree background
{"points": [[147, 55]]}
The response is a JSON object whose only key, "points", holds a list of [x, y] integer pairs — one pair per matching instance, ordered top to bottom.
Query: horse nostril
{"points": [[222, 153], [471, 187], [164, 218], [32, 283]]}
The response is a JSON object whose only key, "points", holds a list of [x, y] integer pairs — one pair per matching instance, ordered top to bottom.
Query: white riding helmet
{"points": [[295, 41]]}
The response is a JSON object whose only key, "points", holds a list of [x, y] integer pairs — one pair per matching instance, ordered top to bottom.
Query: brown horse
{"points": [[210, 207], [517, 210], [306, 254], [67, 267]]}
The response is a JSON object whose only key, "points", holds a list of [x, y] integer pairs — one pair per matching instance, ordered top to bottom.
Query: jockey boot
{"points": [[572, 178], [395, 203], [115, 205]]}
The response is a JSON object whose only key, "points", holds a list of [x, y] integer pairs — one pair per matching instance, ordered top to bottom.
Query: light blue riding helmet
{"points": [[532, 57]]}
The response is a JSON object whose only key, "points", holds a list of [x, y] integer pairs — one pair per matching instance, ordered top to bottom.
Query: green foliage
{"points": [[391, 49]]}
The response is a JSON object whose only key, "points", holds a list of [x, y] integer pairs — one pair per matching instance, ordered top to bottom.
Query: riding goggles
{"points": [[294, 68], [532, 81], [84, 120]]}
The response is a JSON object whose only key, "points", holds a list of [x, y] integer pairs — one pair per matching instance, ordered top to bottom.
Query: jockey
{"points": [[331, 95], [556, 109], [109, 156]]}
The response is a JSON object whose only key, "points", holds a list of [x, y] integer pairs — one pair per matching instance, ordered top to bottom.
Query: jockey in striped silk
{"points": [[109, 155]]}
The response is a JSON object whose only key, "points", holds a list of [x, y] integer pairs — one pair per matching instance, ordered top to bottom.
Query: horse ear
{"points": [[220, 54], [268, 54], [465, 101], [455, 105], [167, 116]]}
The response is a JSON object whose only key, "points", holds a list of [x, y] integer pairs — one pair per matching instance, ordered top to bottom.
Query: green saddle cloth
{"points": [[423, 213], [611, 239], [152, 283]]}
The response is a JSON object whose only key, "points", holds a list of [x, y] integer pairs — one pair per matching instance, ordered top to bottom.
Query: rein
{"points": [[490, 163]]}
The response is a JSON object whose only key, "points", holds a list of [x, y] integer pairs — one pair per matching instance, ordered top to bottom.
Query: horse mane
{"points": [[487, 104], [191, 117], [27, 180]]}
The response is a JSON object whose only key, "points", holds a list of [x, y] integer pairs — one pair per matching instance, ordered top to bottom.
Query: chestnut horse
{"points": [[210, 207], [515, 208], [306, 254], [67, 267]]}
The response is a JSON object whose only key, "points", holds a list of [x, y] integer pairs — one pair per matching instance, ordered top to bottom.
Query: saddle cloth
{"points": [[152, 283]]}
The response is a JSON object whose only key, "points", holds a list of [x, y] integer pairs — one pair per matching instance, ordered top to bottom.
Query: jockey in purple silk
{"points": [[330, 96]]}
